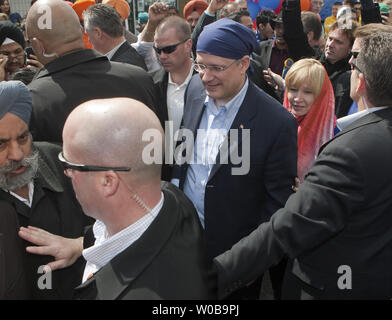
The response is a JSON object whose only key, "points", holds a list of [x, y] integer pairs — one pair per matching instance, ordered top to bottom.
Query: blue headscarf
{"points": [[226, 38], [15, 98]]}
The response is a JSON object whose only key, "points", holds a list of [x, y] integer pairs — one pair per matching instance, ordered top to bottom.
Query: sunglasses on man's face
{"points": [[168, 49], [355, 54], [85, 167]]}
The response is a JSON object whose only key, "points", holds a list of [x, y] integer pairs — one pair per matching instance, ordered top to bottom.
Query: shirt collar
{"points": [[111, 53], [186, 81], [344, 122], [106, 248]]}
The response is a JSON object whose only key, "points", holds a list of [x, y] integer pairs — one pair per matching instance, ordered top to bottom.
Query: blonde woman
{"points": [[309, 97]]}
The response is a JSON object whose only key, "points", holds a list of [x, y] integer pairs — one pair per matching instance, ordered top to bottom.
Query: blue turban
{"points": [[226, 38], [15, 98]]}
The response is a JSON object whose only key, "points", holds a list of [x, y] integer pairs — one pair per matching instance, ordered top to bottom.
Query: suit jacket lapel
{"points": [[120, 51], [194, 108], [242, 120], [116, 276]]}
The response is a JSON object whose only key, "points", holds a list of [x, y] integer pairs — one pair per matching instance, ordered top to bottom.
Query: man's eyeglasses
{"points": [[168, 49], [202, 67], [85, 168]]}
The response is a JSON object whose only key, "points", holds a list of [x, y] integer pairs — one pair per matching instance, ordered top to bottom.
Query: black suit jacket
{"points": [[127, 54], [63, 84], [236, 204], [56, 210], [340, 217], [167, 262], [13, 281]]}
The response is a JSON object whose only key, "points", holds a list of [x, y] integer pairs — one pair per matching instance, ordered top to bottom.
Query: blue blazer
{"points": [[236, 204]]}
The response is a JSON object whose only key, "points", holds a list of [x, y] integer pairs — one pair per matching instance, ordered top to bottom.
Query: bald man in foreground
{"points": [[71, 74], [147, 238]]}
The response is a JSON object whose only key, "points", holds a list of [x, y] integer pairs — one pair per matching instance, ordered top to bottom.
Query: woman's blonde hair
{"points": [[306, 71]]}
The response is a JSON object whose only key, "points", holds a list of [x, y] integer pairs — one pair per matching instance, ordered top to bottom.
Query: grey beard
{"points": [[14, 182]]}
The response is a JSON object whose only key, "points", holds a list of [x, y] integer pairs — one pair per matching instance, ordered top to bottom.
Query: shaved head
{"points": [[54, 23], [108, 132]]}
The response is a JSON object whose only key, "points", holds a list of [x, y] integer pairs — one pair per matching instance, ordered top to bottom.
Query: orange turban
{"points": [[81, 5], [194, 5], [121, 6]]}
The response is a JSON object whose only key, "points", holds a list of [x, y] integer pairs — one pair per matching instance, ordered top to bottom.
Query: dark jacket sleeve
{"points": [[370, 12], [204, 20], [296, 39], [318, 211], [13, 281]]}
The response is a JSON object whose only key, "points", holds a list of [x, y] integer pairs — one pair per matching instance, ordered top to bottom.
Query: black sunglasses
{"points": [[168, 49], [355, 54], [354, 66], [84, 167]]}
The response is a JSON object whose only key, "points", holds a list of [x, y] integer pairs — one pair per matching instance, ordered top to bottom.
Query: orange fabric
{"points": [[81, 5], [194, 5], [121, 6], [87, 44], [315, 128]]}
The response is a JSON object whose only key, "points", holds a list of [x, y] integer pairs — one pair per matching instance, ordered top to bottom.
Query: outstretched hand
{"points": [[216, 5], [3, 62], [274, 80], [65, 251]]}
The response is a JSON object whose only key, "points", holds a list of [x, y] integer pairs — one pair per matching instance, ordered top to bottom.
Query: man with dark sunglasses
{"points": [[171, 44], [147, 241]]}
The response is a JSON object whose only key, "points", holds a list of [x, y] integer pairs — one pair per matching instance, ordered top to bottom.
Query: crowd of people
{"points": [[210, 156]]}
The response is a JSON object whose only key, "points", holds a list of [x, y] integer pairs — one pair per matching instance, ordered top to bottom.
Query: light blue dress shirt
{"points": [[215, 123]]}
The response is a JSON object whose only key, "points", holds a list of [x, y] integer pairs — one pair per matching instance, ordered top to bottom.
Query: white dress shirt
{"points": [[175, 101], [344, 122], [28, 202], [106, 248]]}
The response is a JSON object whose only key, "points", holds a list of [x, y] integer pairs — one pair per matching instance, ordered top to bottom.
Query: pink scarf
{"points": [[315, 128]]}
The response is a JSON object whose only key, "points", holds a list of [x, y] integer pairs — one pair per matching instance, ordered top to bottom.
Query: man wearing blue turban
{"points": [[224, 109]]}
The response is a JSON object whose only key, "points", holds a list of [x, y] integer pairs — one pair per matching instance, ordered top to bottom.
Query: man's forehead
{"points": [[338, 34], [10, 46], [211, 59], [12, 125]]}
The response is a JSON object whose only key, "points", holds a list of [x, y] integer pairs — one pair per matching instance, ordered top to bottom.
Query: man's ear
{"points": [[310, 35], [37, 45], [245, 62], [361, 87], [109, 183]]}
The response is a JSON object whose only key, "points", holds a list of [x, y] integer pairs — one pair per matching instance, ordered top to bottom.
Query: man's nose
{"points": [[15, 152]]}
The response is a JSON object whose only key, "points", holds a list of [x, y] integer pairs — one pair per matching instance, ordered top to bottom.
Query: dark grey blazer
{"points": [[127, 54], [63, 84], [234, 205], [339, 223], [167, 262]]}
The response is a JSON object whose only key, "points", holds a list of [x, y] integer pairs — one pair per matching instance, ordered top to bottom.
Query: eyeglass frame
{"points": [[171, 48], [355, 54], [354, 65], [213, 68], [85, 167]]}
